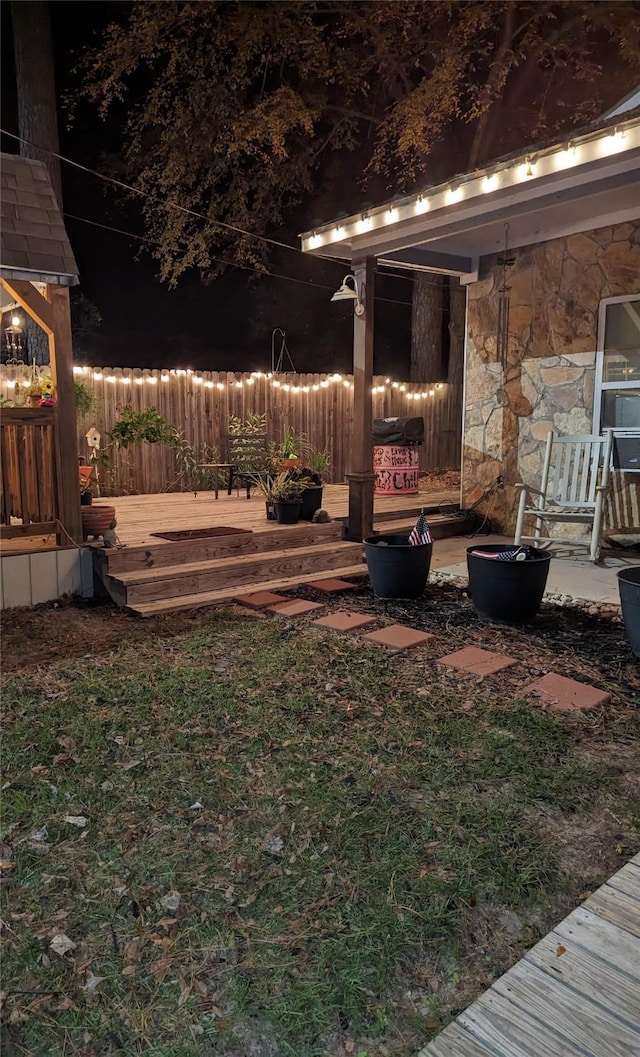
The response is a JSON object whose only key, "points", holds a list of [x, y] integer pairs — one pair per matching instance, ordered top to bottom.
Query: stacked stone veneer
{"points": [[547, 381]]}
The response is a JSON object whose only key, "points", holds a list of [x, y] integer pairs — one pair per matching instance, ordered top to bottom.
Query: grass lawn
{"points": [[238, 836]]}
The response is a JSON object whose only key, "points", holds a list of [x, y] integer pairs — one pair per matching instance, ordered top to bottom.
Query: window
{"points": [[617, 393]]}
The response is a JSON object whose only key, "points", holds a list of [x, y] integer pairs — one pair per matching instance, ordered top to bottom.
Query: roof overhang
{"points": [[587, 182], [55, 279]]}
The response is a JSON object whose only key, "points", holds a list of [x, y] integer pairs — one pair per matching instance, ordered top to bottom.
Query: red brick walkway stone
{"points": [[331, 584], [259, 599], [297, 607], [344, 621], [398, 637], [478, 662], [567, 695]]}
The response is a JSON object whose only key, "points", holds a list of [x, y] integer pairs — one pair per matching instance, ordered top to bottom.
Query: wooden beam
{"points": [[34, 304], [61, 361], [361, 477], [36, 528]]}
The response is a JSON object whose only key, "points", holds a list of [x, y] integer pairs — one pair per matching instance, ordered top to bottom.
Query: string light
{"points": [[579, 150], [97, 375], [165, 378], [151, 379], [197, 380], [126, 381], [138, 381], [11, 384], [25, 385], [208, 385], [220, 385]]}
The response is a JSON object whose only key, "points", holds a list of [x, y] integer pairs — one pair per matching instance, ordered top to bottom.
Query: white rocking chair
{"points": [[575, 480]]}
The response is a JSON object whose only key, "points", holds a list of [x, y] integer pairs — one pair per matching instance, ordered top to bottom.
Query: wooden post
{"points": [[61, 361], [361, 476]]}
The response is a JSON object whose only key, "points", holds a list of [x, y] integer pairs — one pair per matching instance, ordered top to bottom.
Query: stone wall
{"points": [[547, 379]]}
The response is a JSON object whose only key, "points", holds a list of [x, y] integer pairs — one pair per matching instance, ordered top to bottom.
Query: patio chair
{"points": [[248, 455], [573, 488]]}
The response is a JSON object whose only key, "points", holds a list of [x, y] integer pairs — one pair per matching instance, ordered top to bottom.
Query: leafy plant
{"points": [[85, 400], [134, 427], [294, 445], [189, 459], [318, 460], [286, 487]]}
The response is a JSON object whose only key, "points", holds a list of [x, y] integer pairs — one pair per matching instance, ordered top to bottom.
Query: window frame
{"points": [[599, 385]]}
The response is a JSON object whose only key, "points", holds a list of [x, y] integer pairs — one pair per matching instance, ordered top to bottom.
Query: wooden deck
{"points": [[140, 515], [575, 994]]}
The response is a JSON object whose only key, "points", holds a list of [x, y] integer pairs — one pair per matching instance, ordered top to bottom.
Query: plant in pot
{"points": [[292, 450], [317, 462], [265, 485], [287, 492]]}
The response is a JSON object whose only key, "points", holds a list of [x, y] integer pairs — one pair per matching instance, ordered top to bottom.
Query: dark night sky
{"points": [[226, 325]]}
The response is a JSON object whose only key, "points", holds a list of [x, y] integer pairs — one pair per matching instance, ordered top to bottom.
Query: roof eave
{"points": [[54, 278]]}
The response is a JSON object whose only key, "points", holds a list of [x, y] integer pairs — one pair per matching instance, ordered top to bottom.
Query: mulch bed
{"points": [[567, 641]]}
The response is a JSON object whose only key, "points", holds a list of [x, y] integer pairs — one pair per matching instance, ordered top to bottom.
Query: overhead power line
{"points": [[194, 213]]}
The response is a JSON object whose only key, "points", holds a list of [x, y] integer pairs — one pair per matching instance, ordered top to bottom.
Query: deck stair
{"points": [[165, 577]]}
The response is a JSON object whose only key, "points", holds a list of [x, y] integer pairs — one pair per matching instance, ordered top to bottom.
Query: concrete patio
{"points": [[570, 573]]}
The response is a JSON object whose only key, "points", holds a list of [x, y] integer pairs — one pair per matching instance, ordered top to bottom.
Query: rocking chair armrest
{"points": [[521, 486], [602, 488]]}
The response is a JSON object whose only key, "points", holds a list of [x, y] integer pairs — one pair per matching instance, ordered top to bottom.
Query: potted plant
{"points": [[293, 447], [317, 462], [265, 485], [287, 492]]}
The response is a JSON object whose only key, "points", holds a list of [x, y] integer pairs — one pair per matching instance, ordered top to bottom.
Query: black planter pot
{"points": [[311, 501], [288, 511], [396, 568], [629, 587], [509, 592]]}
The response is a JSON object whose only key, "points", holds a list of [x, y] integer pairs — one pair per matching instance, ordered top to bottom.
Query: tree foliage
{"points": [[240, 111]]}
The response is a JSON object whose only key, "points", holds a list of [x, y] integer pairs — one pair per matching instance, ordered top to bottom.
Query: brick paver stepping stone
{"points": [[330, 584], [259, 599], [297, 607], [344, 621], [398, 637], [478, 662], [567, 695]]}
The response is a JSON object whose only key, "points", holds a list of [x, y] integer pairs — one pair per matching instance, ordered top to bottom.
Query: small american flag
{"points": [[420, 533], [519, 554]]}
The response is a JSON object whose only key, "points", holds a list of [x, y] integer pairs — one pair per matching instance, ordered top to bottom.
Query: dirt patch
{"points": [[440, 481], [39, 636]]}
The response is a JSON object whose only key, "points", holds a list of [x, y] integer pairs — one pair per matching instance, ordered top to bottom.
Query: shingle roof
{"points": [[33, 241]]}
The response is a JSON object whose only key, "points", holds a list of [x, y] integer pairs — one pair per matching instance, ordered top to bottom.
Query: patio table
{"points": [[230, 467]]}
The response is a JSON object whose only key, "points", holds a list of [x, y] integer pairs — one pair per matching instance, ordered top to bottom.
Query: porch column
{"points": [[61, 362], [361, 476]]}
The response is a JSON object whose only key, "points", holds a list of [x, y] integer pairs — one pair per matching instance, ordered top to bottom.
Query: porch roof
{"points": [[581, 182], [34, 245]]}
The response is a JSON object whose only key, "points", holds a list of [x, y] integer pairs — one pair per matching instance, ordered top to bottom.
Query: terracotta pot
{"points": [[289, 464], [96, 520]]}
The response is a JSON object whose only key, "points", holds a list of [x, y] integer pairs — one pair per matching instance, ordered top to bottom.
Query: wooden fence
{"points": [[200, 404], [30, 482]]}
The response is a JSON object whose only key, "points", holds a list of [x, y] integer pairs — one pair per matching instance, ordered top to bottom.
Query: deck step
{"points": [[442, 525], [169, 553], [197, 577], [214, 598]]}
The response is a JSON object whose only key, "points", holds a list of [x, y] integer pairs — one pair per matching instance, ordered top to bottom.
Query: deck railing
{"points": [[30, 474]]}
